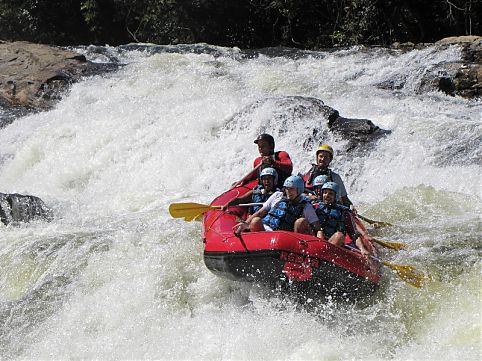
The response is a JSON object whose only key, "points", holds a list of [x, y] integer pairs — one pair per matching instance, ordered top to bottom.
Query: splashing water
{"points": [[114, 277]]}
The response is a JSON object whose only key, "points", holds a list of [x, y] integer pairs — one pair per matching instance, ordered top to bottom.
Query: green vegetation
{"points": [[244, 23]]}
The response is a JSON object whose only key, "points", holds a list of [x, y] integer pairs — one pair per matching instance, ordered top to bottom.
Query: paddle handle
{"points": [[248, 204], [240, 205]]}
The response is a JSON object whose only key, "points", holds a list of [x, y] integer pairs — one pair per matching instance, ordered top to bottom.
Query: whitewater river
{"points": [[114, 277]]}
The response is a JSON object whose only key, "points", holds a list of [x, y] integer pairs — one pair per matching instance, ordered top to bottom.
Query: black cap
{"points": [[265, 137]]}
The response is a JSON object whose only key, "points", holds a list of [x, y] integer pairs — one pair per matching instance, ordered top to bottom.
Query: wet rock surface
{"points": [[33, 77], [458, 78], [318, 122], [359, 133], [16, 208]]}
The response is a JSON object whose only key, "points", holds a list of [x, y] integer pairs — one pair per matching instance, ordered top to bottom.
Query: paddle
{"points": [[251, 174], [191, 211], [376, 224], [392, 245], [406, 273]]}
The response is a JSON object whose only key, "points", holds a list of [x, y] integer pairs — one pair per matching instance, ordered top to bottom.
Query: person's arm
{"points": [[284, 163], [250, 176], [343, 194], [246, 198], [261, 213], [310, 214], [245, 225], [349, 225], [358, 234], [366, 239], [359, 243]]}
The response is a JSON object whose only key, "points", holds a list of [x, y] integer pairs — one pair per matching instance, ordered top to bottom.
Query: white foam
{"points": [[119, 149]]}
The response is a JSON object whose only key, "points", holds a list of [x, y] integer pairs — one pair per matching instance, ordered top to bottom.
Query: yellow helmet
{"points": [[325, 148]]}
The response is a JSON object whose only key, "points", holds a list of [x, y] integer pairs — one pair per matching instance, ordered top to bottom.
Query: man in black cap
{"points": [[268, 158]]}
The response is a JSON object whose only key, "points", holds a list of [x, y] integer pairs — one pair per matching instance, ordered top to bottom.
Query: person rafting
{"points": [[324, 156], [279, 160], [268, 178], [316, 194], [288, 211], [336, 221]]}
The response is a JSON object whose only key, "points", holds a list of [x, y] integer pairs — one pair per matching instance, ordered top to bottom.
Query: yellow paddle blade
{"points": [[189, 211], [376, 224], [387, 244], [393, 245], [407, 273]]}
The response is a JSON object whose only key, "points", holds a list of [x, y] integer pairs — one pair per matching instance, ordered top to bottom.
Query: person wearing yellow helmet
{"points": [[324, 156]]}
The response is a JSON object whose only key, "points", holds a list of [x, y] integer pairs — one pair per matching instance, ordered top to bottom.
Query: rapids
{"points": [[114, 277]]}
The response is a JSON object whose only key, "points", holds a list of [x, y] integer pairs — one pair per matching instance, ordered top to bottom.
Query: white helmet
{"points": [[269, 171], [320, 180]]}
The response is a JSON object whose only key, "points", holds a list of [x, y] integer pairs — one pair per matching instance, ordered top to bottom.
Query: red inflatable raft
{"points": [[281, 257]]}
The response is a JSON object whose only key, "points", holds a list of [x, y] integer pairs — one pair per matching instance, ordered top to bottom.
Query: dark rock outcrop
{"points": [[33, 76], [462, 78], [318, 123], [356, 130], [360, 133], [22, 208]]}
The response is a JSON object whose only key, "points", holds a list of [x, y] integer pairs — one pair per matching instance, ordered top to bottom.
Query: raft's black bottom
{"points": [[267, 266]]}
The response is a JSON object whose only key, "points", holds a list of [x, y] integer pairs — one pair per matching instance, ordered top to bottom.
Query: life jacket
{"points": [[315, 171], [281, 175], [260, 195], [284, 214], [332, 218]]}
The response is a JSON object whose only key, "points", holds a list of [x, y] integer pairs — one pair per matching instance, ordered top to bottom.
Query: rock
{"points": [[467, 39], [33, 77], [462, 78], [316, 121], [361, 130], [360, 133], [22, 208]]}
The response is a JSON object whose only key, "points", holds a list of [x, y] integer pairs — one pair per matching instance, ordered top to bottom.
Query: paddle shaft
{"points": [[251, 174], [248, 204], [191, 211], [378, 223], [392, 245], [371, 256], [406, 273]]}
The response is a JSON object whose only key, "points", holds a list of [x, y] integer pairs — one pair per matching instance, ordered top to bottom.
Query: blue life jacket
{"points": [[259, 196], [284, 214], [332, 218]]}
